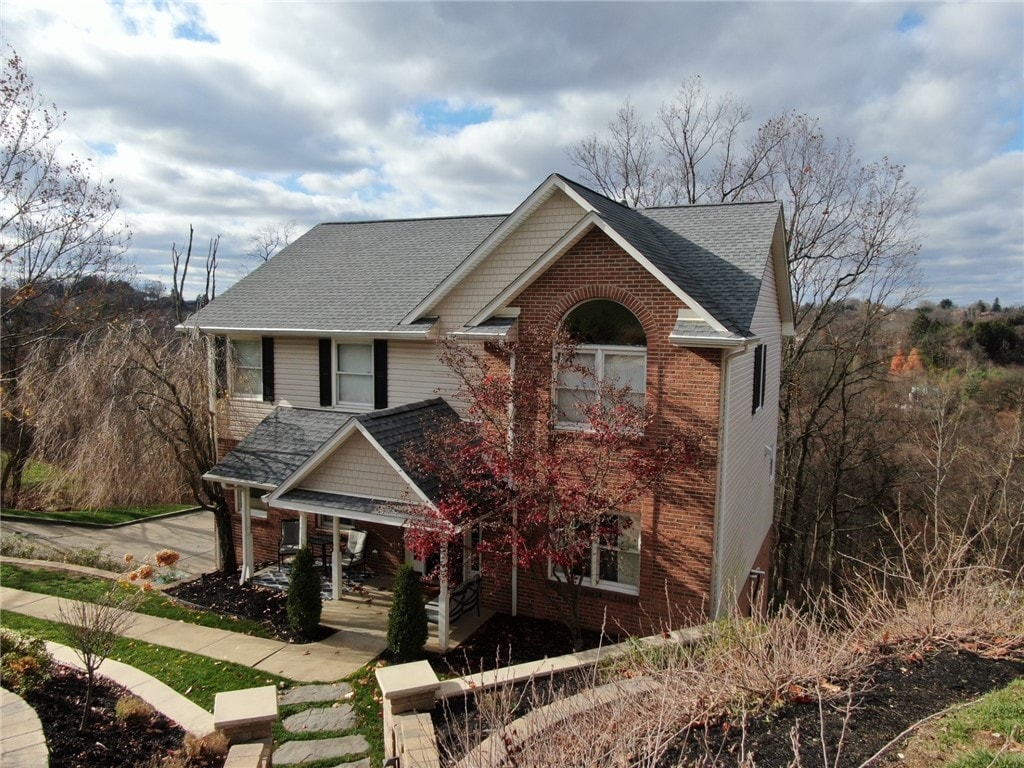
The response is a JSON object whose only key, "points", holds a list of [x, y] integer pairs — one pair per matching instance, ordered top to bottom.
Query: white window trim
{"points": [[599, 351], [235, 368], [351, 405], [593, 581]]}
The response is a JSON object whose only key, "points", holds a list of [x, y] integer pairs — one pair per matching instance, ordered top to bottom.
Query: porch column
{"points": [[242, 502], [303, 530], [336, 559], [442, 601]]}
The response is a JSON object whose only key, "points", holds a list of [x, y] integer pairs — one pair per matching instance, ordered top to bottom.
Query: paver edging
{"points": [[163, 698], [24, 745]]}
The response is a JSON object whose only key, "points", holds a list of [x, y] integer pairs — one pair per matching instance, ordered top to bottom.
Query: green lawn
{"points": [[109, 516], [89, 588], [197, 678]]}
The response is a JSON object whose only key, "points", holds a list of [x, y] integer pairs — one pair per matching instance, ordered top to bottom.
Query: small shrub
{"points": [[305, 603], [407, 620], [24, 662], [133, 710], [208, 750]]}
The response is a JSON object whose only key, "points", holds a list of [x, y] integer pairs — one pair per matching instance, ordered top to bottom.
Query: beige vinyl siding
{"points": [[531, 239], [296, 372], [415, 373], [237, 417], [750, 439], [357, 468]]}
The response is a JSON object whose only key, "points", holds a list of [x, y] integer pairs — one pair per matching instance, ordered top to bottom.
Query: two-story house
{"points": [[335, 370]]}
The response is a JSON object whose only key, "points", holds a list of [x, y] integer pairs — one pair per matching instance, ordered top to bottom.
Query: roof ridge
{"points": [[725, 204], [414, 219]]}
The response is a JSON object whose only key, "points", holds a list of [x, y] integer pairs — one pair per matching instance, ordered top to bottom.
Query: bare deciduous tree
{"points": [[59, 226], [269, 239], [852, 247], [179, 273], [129, 409], [91, 629]]}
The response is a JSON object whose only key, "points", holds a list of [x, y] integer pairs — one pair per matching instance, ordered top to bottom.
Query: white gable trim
{"points": [[537, 198], [566, 242], [783, 285], [328, 448]]}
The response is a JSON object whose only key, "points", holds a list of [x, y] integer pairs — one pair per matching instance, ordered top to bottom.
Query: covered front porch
{"points": [[360, 614]]}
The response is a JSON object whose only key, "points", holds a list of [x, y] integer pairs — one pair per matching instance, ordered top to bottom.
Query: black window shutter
{"points": [[220, 363], [268, 368], [380, 373], [759, 379], [326, 400]]}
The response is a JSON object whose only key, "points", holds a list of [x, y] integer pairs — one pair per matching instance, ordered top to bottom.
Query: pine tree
{"points": [[305, 603], [407, 620]]}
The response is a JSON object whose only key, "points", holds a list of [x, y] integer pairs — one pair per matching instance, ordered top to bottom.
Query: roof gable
{"points": [[392, 432]]}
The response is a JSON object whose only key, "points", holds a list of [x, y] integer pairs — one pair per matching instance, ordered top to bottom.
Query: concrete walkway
{"points": [[327, 661], [22, 743]]}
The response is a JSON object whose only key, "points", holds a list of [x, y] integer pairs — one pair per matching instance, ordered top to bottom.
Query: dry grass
{"points": [[657, 695]]}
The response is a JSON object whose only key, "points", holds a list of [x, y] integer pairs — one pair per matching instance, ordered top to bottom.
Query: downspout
{"points": [[211, 405], [720, 485], [515, 512], [336, 574]]}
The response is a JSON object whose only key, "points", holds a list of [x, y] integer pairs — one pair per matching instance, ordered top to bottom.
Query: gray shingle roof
{"points": [[715, 253], [358, 276], [366, 276], [407, 427], [279, 445]]}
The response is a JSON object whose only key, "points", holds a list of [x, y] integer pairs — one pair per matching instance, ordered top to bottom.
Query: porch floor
{"points": [[360, 616]]}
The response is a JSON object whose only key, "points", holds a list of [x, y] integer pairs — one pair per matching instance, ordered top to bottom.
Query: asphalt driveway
{"points": [[189, 534]]}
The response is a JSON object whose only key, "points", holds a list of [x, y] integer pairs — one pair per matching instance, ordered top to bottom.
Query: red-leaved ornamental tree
{"points": [[542, 493]]}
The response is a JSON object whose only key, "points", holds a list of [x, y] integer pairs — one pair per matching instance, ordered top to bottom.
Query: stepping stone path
{"points": [[315, 719]]}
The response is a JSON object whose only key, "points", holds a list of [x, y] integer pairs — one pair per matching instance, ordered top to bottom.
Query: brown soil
{"points": [[223, 594], [892, 695], [106, 742]]}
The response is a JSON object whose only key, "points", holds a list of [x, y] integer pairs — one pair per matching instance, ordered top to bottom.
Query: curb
{"points": [[16, 518]]}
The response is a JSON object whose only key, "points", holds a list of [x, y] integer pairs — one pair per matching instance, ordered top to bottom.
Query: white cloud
{"points": [[231, 116]]}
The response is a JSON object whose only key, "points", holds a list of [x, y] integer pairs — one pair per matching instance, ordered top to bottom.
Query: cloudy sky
{"points": [[233, 116]]}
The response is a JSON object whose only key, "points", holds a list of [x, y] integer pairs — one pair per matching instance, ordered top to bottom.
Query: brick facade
{"points": [[683, 385]]}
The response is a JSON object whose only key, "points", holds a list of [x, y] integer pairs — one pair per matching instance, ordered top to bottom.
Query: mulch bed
{"points": [[223, 594], [892, 695], [106, 742]]}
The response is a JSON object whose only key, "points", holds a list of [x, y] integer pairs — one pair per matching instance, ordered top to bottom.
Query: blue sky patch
{"points": [[910, 21], [441, 116], [104, 148]]}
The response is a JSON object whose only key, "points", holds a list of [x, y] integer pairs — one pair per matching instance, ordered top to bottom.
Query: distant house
{"points": [[335, 370]]}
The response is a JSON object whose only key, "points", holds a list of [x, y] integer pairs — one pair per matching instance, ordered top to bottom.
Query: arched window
{"points": [[610, 359]]}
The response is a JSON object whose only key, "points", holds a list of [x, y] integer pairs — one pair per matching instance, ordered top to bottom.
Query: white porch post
{"points": [[242, 503], [303, 529], [336, 559], [442, 601]]}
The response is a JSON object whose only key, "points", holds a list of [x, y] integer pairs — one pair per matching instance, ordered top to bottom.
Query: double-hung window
{"points": [[609, 361], [248, 367], [594, 372], [354, 374], [613, 561]]}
